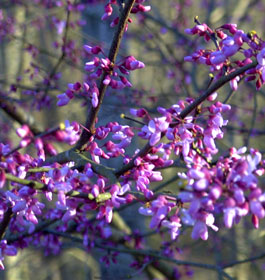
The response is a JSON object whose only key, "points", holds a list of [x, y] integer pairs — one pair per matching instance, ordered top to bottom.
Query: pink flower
{"points": [[92, 50], [217, 57], [261, 57], [131, 63], [63, 99], [94, 99], [154, 129], [23, 131], [2, 178], [159, 216], [200, 228], [200, 231]]}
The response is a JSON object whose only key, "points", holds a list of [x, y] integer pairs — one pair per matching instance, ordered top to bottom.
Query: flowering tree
{"points": [[71, 181]]}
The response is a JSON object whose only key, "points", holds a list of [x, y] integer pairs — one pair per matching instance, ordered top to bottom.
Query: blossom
{"points": [[92, 50], [261, 57], [131, 63], [63, 99], [154, 129], [69, 133], [200, 228], [8, 250]]}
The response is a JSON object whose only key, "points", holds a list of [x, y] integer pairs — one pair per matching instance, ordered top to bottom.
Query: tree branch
{"points": [[93, 113], [151, 253], [252, 259]]}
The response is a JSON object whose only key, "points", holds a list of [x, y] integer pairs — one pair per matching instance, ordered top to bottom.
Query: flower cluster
{"points": [[108, 10], [229, 41], [114, 73], [113, 76], [66, 133], [184, 135], [207, 184], [228, 188], [79, 190], [8, 250]]}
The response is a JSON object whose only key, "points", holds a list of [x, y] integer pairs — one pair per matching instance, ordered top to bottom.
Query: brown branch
{"points": [[219, 83], [26, 87], [93, 113], [18, 114], [43, 187], [4, 224], [15, 237], [151, 253], [252, 259]]}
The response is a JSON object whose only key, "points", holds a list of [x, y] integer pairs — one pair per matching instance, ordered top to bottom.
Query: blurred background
{"points": [[34, 70]]}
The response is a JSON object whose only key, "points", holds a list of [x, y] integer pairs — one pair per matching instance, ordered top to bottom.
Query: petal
{"points": [[155, 138], [209, 142], [201, 185], [229, 216], [199, 231]]}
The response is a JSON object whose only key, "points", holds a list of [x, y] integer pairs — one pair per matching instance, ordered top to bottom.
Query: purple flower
{"points": [[92, 50], [217, 57], [261, 57], [131, 63], [90, 66], [234, 83], [63, 99], [94, 99], [154, 129], [23, 131], [70, 133], [2, 178], [201, 185], [257, 209], [69, 214], [109, 214], [229, 216], [174, 227], [200, 228], [199, 231], [5, 249]]}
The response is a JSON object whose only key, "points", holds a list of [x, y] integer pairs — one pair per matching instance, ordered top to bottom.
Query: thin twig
{"points": [[61, 58], [18, 114], [253, 120], [40, 186], [5, 222], [151, 253], [252, 259]]}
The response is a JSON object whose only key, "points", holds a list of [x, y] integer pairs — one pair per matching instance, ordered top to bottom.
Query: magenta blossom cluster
{"points": [[108, 10], [229, 41], [114, 73], [114, 76], [184, 135], [186, 139], [44, 143], [228, 188], [45, 196]]}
